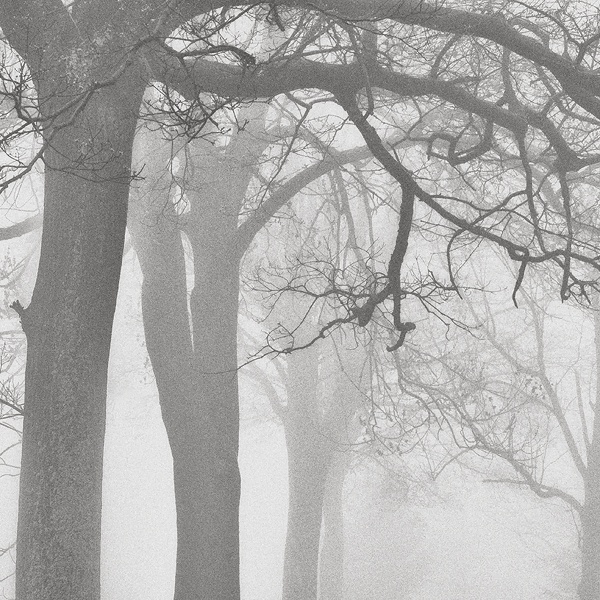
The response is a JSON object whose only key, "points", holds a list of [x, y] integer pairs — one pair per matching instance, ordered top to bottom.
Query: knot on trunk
{"points": [[22, 312]]}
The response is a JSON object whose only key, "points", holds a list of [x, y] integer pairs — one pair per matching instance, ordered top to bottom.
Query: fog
{"points": [[299, 300], [421, 522], [407, 533], [457, 537]]}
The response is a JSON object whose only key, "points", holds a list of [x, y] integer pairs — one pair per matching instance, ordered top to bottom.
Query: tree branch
{"points": [[19, 229]]}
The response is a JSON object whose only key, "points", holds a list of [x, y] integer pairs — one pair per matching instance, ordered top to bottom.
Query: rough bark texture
{"points": [[89, 91], [68, 327], [589, 588]]}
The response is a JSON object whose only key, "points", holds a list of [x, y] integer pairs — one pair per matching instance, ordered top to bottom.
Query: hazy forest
{"points": [[300, 300]]}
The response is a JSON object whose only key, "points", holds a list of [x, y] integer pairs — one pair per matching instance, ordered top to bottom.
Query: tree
{"points": [[90, 63], [68, 323], [194, 353], [322, 381], [512, 393], [320, 424]]}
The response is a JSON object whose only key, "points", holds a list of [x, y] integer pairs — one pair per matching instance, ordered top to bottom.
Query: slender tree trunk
{"points": [[156, 236], [68, 327], [197, 380], [199, 405], [341, 425], [318, 434], [309, 455], [331, 562], [589, 588]]}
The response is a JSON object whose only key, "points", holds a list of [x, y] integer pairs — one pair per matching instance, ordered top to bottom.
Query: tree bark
{"points": [[68, 326], [197, 381], [198, 396], [342, 426], [205, 453], [309, 455], [206, 473], [331, 562], [589, 587]]}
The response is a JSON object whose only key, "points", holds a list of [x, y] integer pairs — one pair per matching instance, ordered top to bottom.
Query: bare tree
{"points": [[89, 64], [194, 352], [504, 392]]}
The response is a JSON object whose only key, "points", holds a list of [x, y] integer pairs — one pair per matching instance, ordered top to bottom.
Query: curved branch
{"points": [[270, 79], [286, 191], [19, 229]]}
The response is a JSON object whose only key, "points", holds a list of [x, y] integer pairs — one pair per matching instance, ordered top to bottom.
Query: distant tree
{"points": [[322, 382], [506, 392], [320, 419]]}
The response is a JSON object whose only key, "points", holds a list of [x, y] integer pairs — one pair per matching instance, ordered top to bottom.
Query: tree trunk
{"points": [[156, 236], [68, 327], [197, 381], [197, 387], [341, 426], [205, 454], [309, 455], [207, 479], [331, 562], [589, 588]]}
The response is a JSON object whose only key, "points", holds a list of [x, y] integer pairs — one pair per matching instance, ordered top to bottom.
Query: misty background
{"points": [[417, 344]]}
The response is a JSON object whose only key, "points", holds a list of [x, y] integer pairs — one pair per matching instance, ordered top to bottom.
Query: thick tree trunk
{"points": [[68, 327], [197, 386], [205, 453], [309, 455], [207, 479], [589, 588]]}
